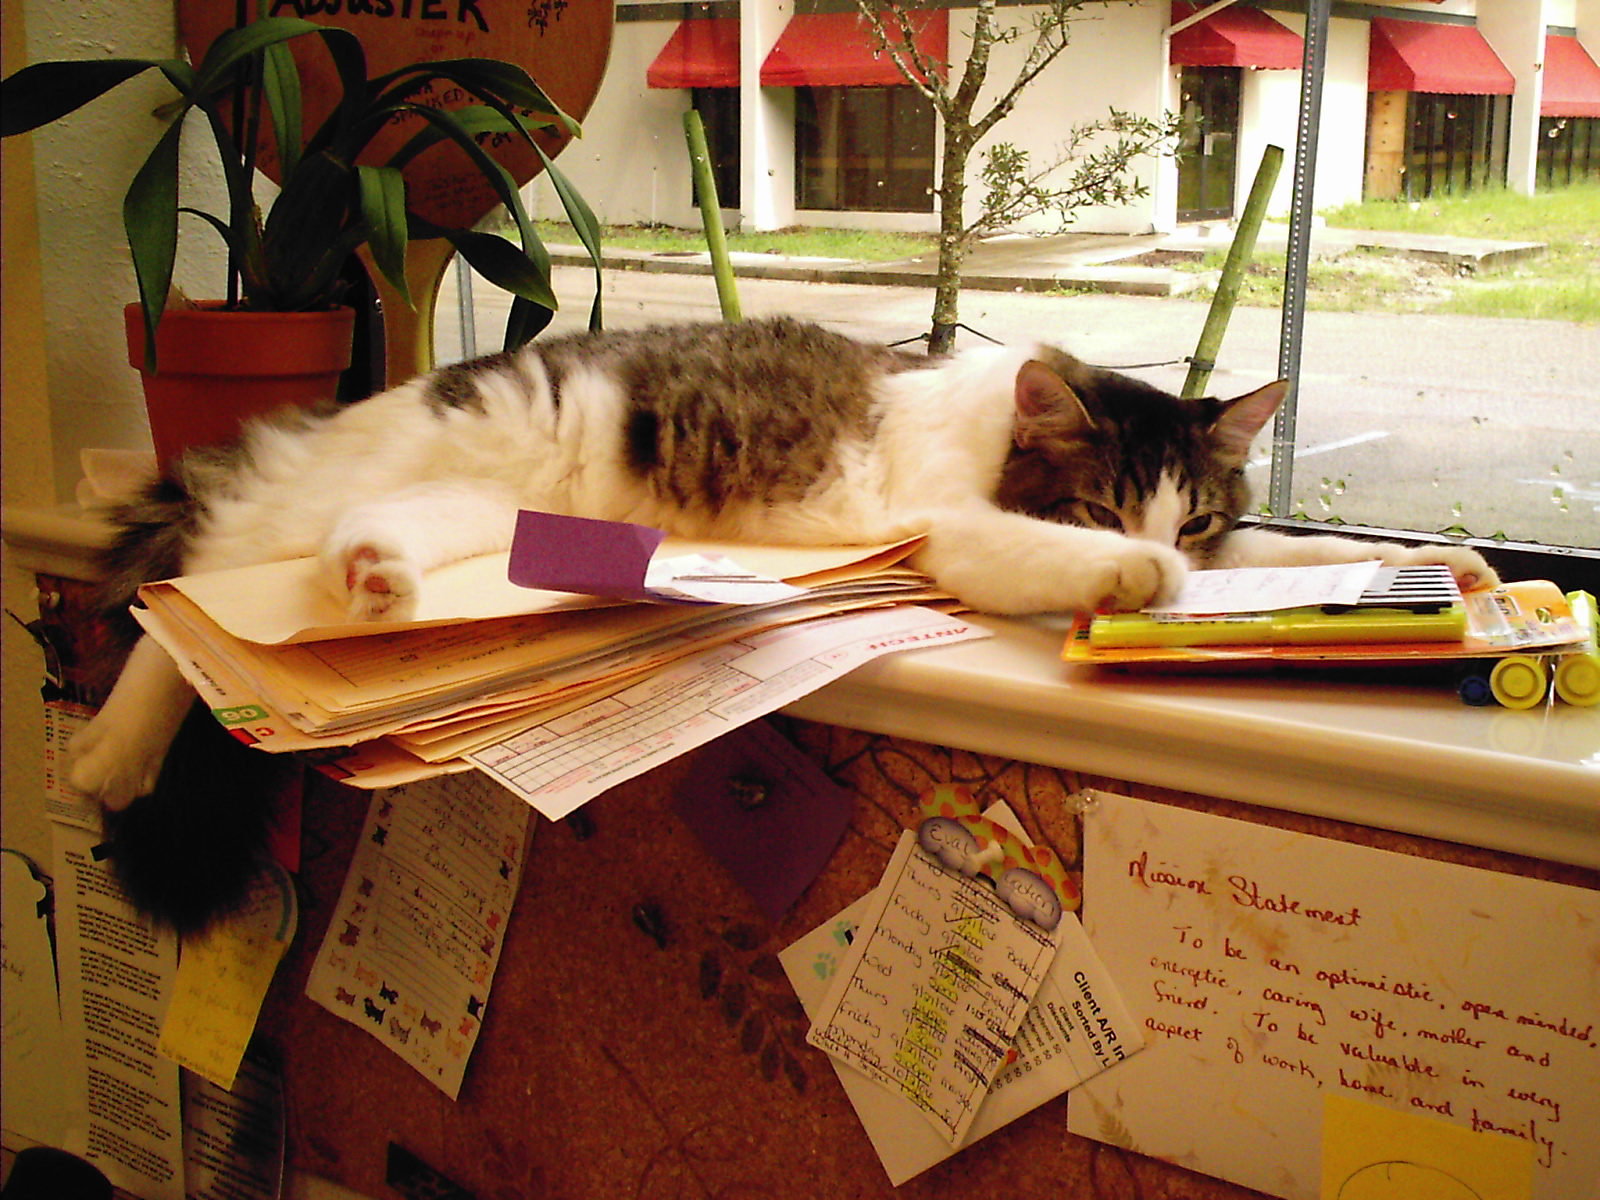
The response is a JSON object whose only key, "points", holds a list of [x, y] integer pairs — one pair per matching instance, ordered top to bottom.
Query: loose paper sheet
{"points": [[1266, 589], [288, 602], [561, 764], [415, 939], [1272, 969], [116, 975], [223, 977], [934, 987], [1076, 1027], [34, 1096], [233, 1139], [1374, 1153]]}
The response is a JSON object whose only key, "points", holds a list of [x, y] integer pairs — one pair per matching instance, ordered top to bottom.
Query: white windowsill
{"points": [[1400, 756]]}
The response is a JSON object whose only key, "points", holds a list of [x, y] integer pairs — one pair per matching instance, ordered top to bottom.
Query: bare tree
{"points": [[1091, 168]]}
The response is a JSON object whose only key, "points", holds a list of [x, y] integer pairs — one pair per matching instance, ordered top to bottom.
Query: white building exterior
{"points": [[632, 165]]}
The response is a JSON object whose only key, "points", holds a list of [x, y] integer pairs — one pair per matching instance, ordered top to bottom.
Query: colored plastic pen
{"points": [[1291, 627]]}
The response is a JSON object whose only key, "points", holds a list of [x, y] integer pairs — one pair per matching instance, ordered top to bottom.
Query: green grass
{"points": [[855, 245], [1560, 284]]}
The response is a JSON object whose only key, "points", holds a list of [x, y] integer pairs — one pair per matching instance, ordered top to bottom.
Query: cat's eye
{"points": [[1091, 513], [1200, 526]]}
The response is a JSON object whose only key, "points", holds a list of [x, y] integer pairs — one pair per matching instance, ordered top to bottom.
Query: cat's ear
{"points": [[1047, 406], [1243, 417]]}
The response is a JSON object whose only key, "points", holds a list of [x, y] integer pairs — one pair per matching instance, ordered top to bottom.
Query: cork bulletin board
{"points": [[642, 1039]]}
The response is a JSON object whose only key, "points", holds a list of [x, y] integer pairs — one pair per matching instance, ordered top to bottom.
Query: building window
{"points": [[719, 113], [1456, 143], [865, 149], [1569, 149]]}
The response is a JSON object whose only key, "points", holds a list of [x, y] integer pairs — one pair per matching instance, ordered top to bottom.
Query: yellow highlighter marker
{"points": [[1290, 627], [1578, 674]]}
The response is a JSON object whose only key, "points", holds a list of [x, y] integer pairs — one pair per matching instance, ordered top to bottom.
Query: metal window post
{"points": [[1299, 252]]}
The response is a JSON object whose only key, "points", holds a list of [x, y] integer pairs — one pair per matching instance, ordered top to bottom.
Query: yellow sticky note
{"points": [[222, 980], [1374, 1153]]}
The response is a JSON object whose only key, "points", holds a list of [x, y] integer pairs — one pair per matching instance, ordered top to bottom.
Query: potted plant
{"points": [[286, 264]]}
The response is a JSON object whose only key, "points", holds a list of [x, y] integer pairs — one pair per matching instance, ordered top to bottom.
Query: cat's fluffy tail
{"points": [[187, 853]]}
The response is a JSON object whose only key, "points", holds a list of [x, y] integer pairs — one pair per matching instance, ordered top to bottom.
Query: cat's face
{"points": [[1104, 451]]}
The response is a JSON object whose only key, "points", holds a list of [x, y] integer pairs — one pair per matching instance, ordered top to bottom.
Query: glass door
{"points": [[1208, 149]]}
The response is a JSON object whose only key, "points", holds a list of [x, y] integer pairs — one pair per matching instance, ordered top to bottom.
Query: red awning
{"points": [[1235, 37], [835, 50], [701, 53], [1421, 56], [1571, 79]]}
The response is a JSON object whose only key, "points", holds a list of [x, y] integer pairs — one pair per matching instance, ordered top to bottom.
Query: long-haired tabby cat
{"points": [[1040, 484]]}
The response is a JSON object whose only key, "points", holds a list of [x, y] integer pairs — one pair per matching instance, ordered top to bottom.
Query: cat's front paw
{"points": [[1468, 566], [1134, 575], [376, 583], [111, 766]]}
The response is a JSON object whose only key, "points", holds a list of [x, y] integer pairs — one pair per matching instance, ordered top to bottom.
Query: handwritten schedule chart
{"points": [[1272, 970], [936, 983]]}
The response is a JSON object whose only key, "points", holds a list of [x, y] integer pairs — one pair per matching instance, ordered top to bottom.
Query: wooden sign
{"points": [[563, 44]]}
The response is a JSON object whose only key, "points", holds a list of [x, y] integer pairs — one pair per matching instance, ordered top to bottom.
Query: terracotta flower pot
{"points": [[217, 367]]}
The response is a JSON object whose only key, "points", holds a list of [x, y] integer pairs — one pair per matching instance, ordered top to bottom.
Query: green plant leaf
{"points": [[243, 41], [280, 82], [495, 82], [43, 92], [475, 120], [383, 208], [150, 216], [583, 223], [505, 266], [525, 322]]}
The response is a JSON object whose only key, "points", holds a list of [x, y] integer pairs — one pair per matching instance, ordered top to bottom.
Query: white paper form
{"points": [[1267, 589], [564, 763], [415, 939], [1272, 969], [116, 976], [934, 988], [1076, 1027]]}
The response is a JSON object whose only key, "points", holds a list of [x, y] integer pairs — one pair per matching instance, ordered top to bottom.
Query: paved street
{"points": [[1414, 421]]}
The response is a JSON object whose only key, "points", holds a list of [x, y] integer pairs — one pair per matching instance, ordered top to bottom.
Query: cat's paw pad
{"points": [[1468, 566], [1138, 574], [380, 588], [108, 768]]}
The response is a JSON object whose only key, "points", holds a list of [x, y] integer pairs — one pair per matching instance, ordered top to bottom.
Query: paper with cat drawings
{"points": [[290, 602], [415, 938], [1272, 969], [116, 977], [1076, 1027]]}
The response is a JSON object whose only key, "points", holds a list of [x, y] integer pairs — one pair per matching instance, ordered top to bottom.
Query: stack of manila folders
{"points": [[588, 654]]}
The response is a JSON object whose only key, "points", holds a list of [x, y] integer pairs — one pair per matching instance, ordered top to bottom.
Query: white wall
{"points": [[1514, 29], [1113, 61], [632, 163], [84, 164]]}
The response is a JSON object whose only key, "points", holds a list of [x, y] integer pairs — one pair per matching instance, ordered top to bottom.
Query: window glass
{"points": [[719, 113], [1456, 144], [866, 149], [1569, 150]]}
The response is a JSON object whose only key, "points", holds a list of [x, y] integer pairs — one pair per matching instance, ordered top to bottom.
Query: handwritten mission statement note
{"points": [[1270, 969]]}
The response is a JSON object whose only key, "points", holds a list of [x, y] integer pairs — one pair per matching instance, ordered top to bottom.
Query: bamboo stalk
{"points": [[705, 190], [1240, 254]]}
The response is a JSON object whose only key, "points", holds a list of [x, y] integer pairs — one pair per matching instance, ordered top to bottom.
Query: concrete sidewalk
{"points": [[1066, 262]]}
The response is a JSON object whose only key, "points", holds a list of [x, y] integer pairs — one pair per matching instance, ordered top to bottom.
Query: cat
{"points": [[1040, 484]]}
